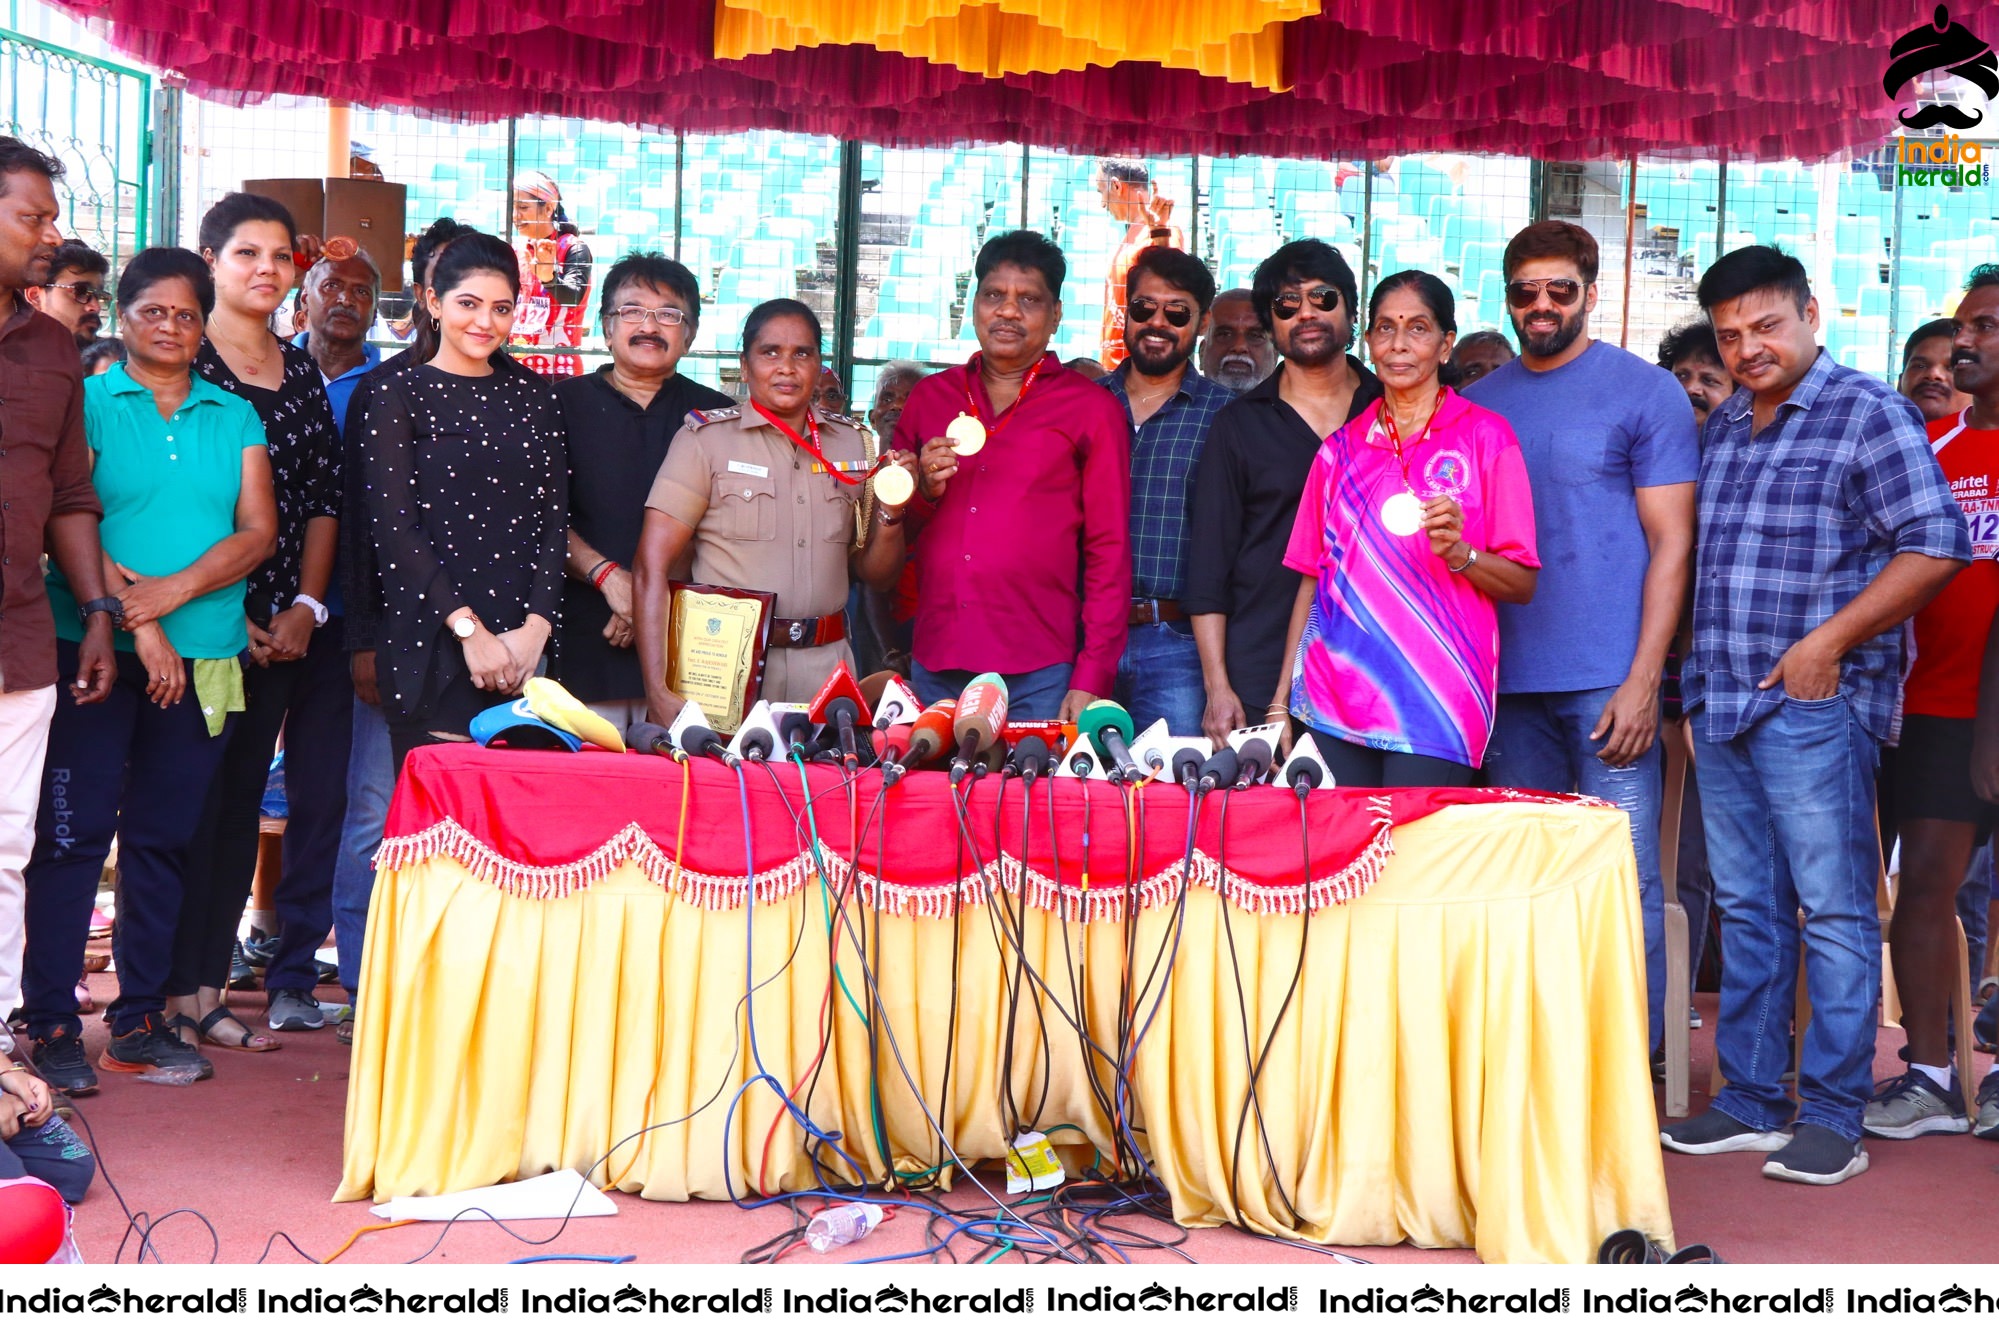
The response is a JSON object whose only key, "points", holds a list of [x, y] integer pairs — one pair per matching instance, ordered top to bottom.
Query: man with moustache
{"points": [[74, 296], [339, 297], [1237, 352], [1688, 353], [1478, 355], [1928, 378], [1170, 408], [619, 422], [1611, 457], [1252, 475], [47, 505], [1825, 522], [1023, 547], [1939, 782]]}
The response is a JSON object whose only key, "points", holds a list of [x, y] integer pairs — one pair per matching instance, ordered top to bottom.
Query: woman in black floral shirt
{"points": [[294, 674]]}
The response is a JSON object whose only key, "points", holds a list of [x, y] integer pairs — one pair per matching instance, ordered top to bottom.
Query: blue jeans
{"points": [[1160, 676], [1030, 694], [1541, 741], [371, 780], [1789, 808], [1974, 905]]}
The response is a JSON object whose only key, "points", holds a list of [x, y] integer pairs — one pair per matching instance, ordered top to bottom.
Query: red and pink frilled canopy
{"points": [[1560, 79]]}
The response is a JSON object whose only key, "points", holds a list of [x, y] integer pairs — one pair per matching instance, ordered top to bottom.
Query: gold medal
{"points": [[967, 435], [894, 486], [1402, 514]]}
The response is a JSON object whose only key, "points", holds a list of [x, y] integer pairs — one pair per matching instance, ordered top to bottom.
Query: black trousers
{"points": [[311, 703], [458, 703], [1358, 766], [128, 767]]}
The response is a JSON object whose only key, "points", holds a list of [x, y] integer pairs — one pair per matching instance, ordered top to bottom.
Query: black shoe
{"points": [[259, 950], [241, 975], [150, 1047], [63, 1065], [1714, 1131], [1816, 1156]]}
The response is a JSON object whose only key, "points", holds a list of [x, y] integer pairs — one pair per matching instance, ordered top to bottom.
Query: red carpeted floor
{"points": [[256, 1152]]}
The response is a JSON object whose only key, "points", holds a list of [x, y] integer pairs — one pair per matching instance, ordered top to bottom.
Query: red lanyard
{"points": [[972, 404], [1395, 436], [810, 446]]}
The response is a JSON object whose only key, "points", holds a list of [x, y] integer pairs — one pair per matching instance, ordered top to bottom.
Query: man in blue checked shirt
{"points": [[1168, 296], [1825, 523]]}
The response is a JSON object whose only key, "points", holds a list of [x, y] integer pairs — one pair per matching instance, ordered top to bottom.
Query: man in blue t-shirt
{"points": [[1612, 457]]}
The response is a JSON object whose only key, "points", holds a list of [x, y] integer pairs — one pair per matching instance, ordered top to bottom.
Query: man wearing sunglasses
{"points": [[75, 294], [1170, 407], [619, 421], [1611, 456], [1252, 475]]}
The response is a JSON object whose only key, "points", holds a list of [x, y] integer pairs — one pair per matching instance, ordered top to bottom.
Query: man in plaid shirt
{"points": [[1170, 406], [1825, 523]]}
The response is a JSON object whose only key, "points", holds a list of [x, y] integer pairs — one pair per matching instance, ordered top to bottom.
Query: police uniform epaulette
{"points": [[841, 418], [696, 420]]}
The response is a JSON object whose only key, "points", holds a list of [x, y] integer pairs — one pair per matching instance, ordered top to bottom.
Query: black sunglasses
{"points": [[1522, 292], [1289, 304], [1143, 308]]}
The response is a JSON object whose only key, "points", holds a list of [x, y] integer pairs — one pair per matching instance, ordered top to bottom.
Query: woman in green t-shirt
{"points": [[188, 512]]}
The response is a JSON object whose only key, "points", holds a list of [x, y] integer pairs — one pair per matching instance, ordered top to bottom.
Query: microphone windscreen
{"points": [[840, 685], [981, 710], [1104, 713], [930, 734], [648, 738], [700, 740], [895, 741], [1031, 755], [1255, 760], [1187, 763], [1222, 768], [1305, 769]]}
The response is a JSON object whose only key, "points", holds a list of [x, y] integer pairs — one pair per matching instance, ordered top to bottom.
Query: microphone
{"points": [[889, 698], [839, 702], [981, 713], [690, 715], [1109, 725], [794, 731], [930, 734], [649, 738], [756, 739], [703, 740], [894, 745], [990, 758], [1029, 760], [1253, 762], [1187, 766], [1307, 768], [1219, 771]]}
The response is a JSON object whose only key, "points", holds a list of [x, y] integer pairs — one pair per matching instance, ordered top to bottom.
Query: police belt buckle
{"points": [[799, 631]]}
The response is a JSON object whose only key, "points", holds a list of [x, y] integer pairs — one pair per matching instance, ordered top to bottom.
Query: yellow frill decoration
{"points": [[1238, 40]]}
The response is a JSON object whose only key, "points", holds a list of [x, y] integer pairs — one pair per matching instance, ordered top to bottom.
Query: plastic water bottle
{"points": [[834, 1227]]}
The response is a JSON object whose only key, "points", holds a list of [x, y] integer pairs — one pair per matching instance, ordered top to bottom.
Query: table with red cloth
{"points": [[595, 961]]}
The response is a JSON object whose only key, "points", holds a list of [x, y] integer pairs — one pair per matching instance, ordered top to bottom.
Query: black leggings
{"points": [[457, 704], [1358, 766]]}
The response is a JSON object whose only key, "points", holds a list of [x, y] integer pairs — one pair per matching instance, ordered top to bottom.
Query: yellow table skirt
{"points": [[1463, 1060]]}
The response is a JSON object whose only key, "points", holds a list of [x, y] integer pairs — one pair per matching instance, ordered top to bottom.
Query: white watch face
{"points": [[464, 626]]}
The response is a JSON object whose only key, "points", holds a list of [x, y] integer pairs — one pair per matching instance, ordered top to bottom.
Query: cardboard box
{"points": [[371, 212]]}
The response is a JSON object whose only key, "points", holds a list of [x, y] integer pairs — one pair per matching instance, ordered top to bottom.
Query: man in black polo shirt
{"points": [[620, 421], [1252, 473]]}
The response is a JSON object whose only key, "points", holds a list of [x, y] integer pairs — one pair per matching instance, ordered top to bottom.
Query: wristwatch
{"points": [[314, 605], [111, 606], [465, 626]]}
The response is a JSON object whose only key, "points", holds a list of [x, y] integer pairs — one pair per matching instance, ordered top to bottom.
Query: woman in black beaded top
{"points": [[466, 492]]}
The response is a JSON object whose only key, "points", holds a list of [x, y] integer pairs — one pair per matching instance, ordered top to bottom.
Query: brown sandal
{"points": [[256, 1043]]}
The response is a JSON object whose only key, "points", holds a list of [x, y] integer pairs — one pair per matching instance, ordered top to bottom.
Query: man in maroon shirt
{"points": [[46, 504], [1025, 540]]}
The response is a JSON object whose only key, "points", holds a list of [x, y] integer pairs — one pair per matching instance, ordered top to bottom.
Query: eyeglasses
{"points": [[1523, 292], [83, 293], [1287, 305], [1143, 308], [638, 316]]}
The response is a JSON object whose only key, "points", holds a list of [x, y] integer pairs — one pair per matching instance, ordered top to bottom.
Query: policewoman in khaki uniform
{"points": [[773, 497]]}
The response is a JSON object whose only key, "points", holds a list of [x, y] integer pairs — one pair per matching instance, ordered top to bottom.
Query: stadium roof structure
{"points": [[1559, 79]]}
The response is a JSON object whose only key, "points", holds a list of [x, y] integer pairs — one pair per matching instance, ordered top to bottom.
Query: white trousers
{"points": [[24, 743]]}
